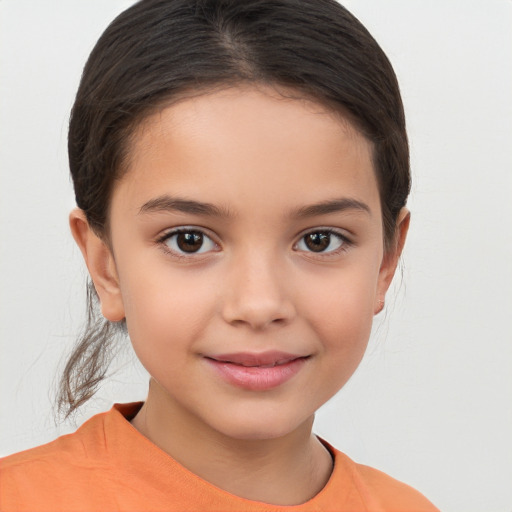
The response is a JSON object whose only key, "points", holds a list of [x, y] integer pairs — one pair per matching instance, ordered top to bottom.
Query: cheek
{"points": [[162, 309], [341, 312], [340, 318]]}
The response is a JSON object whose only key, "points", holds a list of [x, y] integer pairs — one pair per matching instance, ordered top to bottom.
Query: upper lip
{"points": [[269, 358]]}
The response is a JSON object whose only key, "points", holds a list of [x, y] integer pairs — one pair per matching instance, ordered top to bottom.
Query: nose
{"points": [[257, 293]]}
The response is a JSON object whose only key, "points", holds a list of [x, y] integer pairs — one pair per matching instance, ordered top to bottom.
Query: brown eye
{"points": [[321, 241], [189, 242], [317, 242]]}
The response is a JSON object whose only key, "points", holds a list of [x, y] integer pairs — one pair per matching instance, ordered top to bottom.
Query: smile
{"points": [[257, 372]]}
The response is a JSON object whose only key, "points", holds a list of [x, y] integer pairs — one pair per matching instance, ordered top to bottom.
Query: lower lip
{"points": [[257, 378]]}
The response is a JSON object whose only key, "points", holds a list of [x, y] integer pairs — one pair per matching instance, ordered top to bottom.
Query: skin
{"points": [[254, 286]]}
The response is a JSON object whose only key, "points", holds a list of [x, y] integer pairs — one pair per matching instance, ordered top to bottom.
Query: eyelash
{"points": [[344, 240], [346, 243]]}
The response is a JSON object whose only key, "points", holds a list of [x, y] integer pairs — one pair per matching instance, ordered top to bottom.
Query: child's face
{"points": [[246, 176]]}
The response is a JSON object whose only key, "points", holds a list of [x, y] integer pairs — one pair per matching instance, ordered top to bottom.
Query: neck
{"points": [[287, 470]]}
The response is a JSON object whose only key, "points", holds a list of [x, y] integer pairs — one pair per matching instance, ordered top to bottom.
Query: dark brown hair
{"points": [[157, 50]]}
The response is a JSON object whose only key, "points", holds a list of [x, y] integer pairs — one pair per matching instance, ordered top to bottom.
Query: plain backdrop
{"points": [[431, 403]]}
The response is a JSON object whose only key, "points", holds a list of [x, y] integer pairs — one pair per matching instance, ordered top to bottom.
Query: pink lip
{"points": [[257, 372]]}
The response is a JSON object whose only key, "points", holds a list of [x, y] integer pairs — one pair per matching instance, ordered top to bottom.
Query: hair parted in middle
{"points": [[160, 51]]}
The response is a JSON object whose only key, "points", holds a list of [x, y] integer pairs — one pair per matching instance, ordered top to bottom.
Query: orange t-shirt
{"points": [[107, 465]]}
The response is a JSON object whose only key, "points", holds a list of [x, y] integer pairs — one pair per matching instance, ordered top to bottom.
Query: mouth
{"points": [[263, 360], [257, 372]]}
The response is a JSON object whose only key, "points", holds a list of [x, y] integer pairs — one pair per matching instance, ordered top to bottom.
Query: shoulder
{"points": [[84, 444], [40, 477], [381, 492]]}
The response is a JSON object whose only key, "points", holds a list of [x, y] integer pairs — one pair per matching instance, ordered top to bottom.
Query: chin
{"points": [[253, 427]]}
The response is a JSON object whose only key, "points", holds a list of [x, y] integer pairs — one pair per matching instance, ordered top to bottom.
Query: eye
{"points": [[188, 241], [322, 241]]}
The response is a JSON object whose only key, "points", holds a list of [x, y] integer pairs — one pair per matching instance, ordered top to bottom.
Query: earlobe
{"points": [[391, 259], [101, 265]]}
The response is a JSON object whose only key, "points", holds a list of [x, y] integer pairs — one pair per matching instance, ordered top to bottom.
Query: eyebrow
{"points": [[169, 203], [332, 206]]}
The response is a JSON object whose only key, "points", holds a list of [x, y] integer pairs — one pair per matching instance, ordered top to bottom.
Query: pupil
{"points": [[190, 242], [318, 242]]}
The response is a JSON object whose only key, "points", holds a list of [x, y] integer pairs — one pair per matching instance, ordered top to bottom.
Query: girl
{"points": [[241, 174]]}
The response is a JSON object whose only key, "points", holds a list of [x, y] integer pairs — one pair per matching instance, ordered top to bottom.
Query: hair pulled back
{"points": [[157, 50]]}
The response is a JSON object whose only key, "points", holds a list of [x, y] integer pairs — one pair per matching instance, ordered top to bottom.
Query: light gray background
{"points": [[432, 402]]}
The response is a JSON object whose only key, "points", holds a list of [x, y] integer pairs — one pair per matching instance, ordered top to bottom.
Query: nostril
{"points": [[258, 299], [258, 315]]}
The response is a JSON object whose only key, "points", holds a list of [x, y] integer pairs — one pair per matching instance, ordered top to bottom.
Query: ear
{"points": [[391, 258], [101, 265]]}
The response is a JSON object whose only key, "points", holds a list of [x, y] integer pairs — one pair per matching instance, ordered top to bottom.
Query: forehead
{"points": [[243, 144]]}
